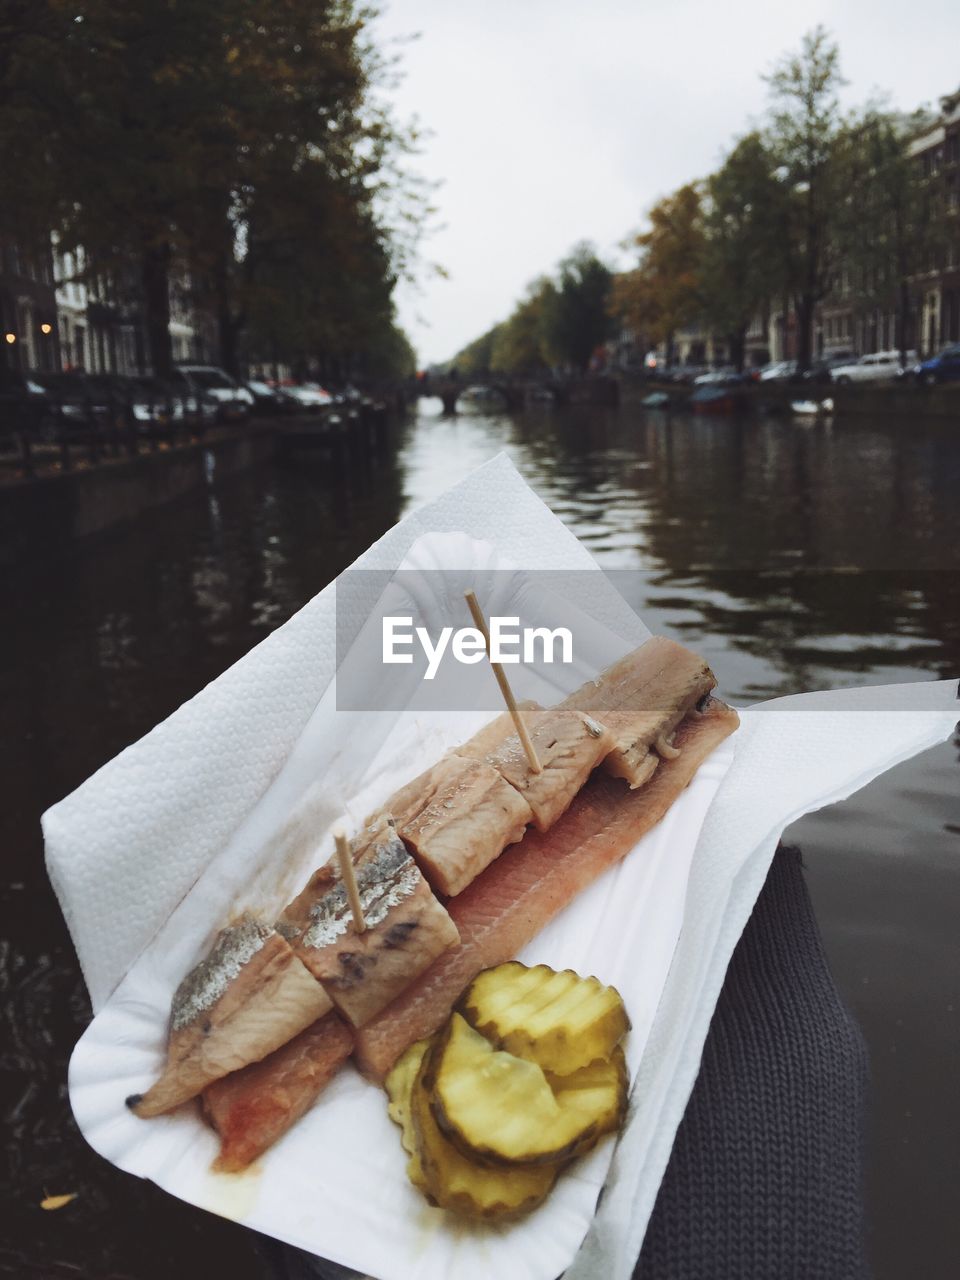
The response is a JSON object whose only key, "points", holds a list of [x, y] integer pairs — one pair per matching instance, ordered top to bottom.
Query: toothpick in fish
{"points": [[525, 739], [349, 877]]}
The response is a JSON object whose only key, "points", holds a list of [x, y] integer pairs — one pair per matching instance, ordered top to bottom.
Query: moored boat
{"points": [[708, 399], [811, 408]]}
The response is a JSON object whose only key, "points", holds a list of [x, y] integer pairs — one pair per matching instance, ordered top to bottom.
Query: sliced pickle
{"points": [[559, 1020], [399, 1086], [598, 1090], [499, 1108], [451, 1181]]}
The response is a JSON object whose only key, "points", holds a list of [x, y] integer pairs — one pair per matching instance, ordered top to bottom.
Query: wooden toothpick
{"points": [[509, 699], [349, 877]]}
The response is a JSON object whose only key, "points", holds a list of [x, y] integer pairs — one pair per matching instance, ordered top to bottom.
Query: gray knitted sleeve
{"points": [[765, 1180]]}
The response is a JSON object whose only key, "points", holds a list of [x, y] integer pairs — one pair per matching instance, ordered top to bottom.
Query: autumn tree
{"points": [[803, 136], [665, 291]]}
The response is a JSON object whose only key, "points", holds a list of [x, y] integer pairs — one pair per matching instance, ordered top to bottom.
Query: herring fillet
{"points": [[641, 699], [492, 735], [569, 746], [461, 824], [529, 884], [406, 927], [250, 995], [253, 1108]]}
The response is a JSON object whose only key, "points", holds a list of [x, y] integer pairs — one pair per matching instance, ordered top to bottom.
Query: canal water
{"points": [[794, 557]]}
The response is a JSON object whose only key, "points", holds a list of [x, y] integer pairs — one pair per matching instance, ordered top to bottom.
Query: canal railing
{"points": [[29, 451]]}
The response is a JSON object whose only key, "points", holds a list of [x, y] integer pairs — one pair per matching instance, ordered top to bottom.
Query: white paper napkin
{"points": [[794, 755]]}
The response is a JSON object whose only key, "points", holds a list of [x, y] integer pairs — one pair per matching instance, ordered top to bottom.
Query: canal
{"points": [[794, 557]]}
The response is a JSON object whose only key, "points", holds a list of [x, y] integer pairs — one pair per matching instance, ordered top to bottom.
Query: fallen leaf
{"points": [[57, 1202]]}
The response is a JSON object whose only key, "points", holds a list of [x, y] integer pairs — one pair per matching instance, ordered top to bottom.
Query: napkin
{"points": [[794, 755]]}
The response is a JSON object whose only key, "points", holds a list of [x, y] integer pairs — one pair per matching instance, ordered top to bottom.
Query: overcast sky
{"points": [[554, 121]]}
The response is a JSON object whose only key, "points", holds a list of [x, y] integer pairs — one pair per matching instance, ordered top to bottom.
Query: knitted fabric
{"points": [[765, 1178]]}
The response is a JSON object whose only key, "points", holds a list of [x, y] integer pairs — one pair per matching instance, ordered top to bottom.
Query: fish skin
{"points": [[641, 699], [569, 746], [467, 816], [527, 886], [407, 928], [272, 998], [253, 1108]]}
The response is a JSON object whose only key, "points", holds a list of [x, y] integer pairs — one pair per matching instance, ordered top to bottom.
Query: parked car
{"points": [[880, 366], [944, 367], [821, 368], [778, 371], [688, 373], [715, 376], [309, 396], [266, 399], [130, 400], [80, 402], [234, 402], [25, 405], [158, 405], [204, 406]]}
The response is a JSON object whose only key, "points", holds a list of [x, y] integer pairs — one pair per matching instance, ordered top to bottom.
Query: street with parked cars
{"points": [[840, 367], [49, 405]]}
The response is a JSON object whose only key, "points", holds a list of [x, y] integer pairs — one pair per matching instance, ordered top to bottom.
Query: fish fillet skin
{"points": [[642, 699], [569, 746], [462, 822], [528, 885], [406, 927], [247, 998], [251, 1109]]}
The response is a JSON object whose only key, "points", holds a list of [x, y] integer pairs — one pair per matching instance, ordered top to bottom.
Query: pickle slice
{"points": [[559, 1020], [399, 1086], [600, 1090], [499, 1108], [452, 1181]]}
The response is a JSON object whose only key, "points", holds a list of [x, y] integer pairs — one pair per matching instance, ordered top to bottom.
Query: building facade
{"points": [[937, 152], [29, 337]]}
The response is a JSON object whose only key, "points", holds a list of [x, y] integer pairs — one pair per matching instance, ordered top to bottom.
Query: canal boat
{"points": [[713, 399], [812, 408]]}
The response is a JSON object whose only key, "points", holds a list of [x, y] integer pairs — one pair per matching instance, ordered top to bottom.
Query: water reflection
{"points": [[821, 556], [794, 557]]}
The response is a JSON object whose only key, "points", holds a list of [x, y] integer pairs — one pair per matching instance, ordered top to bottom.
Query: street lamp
{"points": [[46, 328], [11, 338]]}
